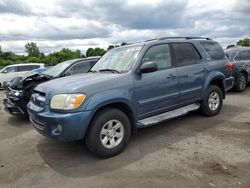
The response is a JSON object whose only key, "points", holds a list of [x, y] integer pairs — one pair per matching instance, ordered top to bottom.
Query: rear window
{"points": [[214, 50]]}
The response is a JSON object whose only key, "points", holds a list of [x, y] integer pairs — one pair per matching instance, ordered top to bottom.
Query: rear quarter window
{"points": [[214, 50]]}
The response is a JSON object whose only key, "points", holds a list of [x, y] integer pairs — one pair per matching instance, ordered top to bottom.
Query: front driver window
{"points": [[159, 54], [81, 67], [9, 70]]}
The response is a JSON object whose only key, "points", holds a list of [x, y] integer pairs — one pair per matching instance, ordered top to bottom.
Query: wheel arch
{"points": [[244, 71], [217, 79], [120, 105]]}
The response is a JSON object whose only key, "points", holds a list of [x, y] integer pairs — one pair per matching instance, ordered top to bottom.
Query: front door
{"points": [[157, 91]]}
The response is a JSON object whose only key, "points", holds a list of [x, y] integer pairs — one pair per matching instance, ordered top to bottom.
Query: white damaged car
{"points": [[12, 71]]}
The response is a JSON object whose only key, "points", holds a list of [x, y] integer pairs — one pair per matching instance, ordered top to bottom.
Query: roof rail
{"points": [[188, 38], [152, 40]]}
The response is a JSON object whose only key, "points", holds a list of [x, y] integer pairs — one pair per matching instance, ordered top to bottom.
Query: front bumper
{"points": [[229, 83], [12, 108], [65, 127]]}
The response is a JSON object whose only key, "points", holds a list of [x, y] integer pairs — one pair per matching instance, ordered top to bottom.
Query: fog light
{"points": [[59, 128]]}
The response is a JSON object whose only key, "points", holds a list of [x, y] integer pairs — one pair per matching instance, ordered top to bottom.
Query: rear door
{"points": [[244, 59], [191, 71], [157, 91]]}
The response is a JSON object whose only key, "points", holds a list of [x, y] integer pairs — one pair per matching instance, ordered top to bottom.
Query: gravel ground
{"points": [[191, 151]]}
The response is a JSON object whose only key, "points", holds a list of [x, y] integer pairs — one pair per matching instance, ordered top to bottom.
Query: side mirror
{"points": [[148, 67], [66, 74]]}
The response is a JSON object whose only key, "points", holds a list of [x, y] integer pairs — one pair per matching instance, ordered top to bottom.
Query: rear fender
{"points": [[215, 75]]}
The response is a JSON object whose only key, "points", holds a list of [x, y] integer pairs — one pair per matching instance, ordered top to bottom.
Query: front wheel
{"points": [[213, 100], [109, 133]]}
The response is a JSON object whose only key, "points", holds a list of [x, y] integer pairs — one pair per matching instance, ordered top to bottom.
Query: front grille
{"points": [[38, 98], [37, 123]]}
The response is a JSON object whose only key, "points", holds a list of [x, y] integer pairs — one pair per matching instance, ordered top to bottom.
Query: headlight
{"points": [[17, 93], [67, 101]]}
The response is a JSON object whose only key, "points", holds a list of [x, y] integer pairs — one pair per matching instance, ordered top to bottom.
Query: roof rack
{"points": [[188, 38], [151, 40]]}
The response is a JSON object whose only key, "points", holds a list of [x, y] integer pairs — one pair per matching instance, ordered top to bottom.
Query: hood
{"points": [[77, 83]]}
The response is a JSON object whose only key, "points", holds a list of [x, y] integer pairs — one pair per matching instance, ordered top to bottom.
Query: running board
{"points": [[167, 115]]}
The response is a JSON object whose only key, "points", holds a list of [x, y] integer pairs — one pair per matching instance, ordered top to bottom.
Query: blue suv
{"points": [[133, 87]]}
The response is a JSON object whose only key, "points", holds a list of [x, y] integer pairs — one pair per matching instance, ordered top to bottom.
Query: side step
{"points": [[167, 115]]}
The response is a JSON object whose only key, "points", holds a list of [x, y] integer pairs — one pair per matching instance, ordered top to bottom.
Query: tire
{"points": [[241, 83], [209, 107], [101, 137]]}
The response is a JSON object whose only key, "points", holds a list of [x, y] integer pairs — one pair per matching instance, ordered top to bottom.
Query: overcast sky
{"points": [[80, 24]]}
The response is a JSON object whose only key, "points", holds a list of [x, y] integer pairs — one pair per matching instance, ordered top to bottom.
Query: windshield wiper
{"points": [[110, 70], [92, 71]]}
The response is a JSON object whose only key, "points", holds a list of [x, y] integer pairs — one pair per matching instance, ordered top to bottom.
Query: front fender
{"points": [[212, 77], [108, 97]]}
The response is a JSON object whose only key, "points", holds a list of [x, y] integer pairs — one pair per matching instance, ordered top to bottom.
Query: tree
{"points": [[244, 42], [124, 44], [230, 46], [110, 47], [32, 49], [95, 52]]}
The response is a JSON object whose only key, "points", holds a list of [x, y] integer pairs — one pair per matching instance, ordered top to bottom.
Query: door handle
{"points": [[205, 69], [171, 76]]}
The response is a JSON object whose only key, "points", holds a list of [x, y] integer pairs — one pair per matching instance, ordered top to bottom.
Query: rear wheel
{"points": [[241, 83], [213, 100], [109, 133]]}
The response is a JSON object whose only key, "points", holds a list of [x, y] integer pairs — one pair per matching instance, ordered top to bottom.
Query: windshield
{"points": [[230, 55], [118, 59], [58, 69]]}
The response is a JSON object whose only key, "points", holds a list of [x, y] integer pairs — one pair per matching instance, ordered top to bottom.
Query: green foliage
{"points": [[244, 42], [124, 44], [230, 46], [110, 47], [32, 49], [95, 52], [35, 56]]}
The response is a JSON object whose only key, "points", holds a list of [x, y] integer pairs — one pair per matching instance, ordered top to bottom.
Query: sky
{"points": [[80, 24]]}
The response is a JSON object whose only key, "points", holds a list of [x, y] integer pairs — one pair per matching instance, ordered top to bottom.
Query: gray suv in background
{"points": [[240, 58]]}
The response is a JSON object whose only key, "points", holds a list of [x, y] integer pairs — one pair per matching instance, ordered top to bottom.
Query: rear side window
{"points": [[214, 50], [160, 54], [186, 54], [245, 55], [35, 67], [27, 68]]}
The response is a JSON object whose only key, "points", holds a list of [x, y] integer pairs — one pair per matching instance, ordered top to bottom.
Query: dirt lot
{"points": [[191, 151]]}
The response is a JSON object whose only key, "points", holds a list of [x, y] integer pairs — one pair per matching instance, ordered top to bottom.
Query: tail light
{"points": [[230, 67]]}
